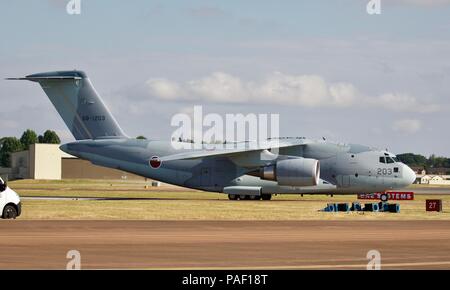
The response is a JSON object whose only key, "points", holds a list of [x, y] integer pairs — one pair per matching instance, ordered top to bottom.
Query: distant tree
{"points": [[28, 137], [50, 137], [140, 137], [9, 145], [413, 159], [417, 160], [438, 161]]}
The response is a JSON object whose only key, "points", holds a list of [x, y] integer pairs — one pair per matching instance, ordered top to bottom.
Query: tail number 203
{"points": [[384, 171]]}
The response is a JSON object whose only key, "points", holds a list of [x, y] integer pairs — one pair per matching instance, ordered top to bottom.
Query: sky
{"points": [[328, 68]]}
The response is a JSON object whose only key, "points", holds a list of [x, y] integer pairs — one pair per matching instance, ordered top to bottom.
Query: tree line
{"points": [[10, 145], [418, 160]]}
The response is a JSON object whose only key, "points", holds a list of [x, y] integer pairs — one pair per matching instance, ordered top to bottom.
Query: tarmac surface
{"points": [[431, 190], [224, 244]]}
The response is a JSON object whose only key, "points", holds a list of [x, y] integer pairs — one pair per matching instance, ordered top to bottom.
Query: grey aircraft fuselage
{"points": [[283, 165], [343, 168]]}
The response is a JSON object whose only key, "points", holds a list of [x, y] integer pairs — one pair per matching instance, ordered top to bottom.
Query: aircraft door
{"points": [[345, 180]]}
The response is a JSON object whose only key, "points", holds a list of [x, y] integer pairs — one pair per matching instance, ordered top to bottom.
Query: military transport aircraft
{"points": [[275, 166]]}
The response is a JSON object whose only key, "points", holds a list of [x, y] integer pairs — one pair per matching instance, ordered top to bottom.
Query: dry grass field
{"points": [[134, 200]]}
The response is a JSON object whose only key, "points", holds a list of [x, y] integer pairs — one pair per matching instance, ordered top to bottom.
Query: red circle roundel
{"points": [[155, 162]]}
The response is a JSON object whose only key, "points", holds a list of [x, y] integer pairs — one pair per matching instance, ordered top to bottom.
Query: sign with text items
{"points": [[391, 195]]}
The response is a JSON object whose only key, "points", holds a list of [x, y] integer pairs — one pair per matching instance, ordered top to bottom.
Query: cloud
{"points": [[218, 87], [164, 89], [311, 91], [407, 126]]}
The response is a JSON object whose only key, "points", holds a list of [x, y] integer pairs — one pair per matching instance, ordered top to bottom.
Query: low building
{"points": [[47, 161], [74, 168], [425, 179], [435, 179], [440, 180]]}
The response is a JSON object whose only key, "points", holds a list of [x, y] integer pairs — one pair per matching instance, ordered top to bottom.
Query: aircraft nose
{"points": [[408, 175]]}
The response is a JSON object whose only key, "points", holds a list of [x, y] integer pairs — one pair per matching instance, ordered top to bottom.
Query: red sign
{"points": [[391, 195], [433, 205]]}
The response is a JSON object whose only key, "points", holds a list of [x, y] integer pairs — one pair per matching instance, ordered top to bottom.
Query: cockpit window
{"points": [[396, 159], [382, 160], [389, 160]]}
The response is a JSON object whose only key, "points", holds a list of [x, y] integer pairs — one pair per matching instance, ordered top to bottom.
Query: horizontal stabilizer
{"points": [[36, 79]]}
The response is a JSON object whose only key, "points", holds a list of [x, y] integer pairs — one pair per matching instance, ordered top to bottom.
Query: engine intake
{"points": [[293, 172]]}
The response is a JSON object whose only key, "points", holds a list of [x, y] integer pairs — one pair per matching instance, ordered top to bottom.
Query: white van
{"points": [[10, 206]]}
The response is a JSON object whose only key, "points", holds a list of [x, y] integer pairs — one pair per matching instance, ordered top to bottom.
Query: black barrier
{"points": [[173, 279]]}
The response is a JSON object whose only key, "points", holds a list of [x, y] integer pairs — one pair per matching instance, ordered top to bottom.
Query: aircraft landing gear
{"points": [[266, 196], [232, 197], [244, 197], [249, 197], [384, 197]]}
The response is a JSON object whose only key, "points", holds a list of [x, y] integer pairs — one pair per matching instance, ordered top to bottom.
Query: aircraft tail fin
{"points": [[77, 102]]}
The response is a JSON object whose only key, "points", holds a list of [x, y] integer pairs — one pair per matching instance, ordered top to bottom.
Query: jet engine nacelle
{"points": [[293, 172]]}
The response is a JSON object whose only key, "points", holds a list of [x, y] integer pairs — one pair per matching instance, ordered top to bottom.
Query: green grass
{"points": [[175, 203]]}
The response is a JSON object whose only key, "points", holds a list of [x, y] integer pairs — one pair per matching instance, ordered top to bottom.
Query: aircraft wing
{"points": [[233, 149], [206, 153]]}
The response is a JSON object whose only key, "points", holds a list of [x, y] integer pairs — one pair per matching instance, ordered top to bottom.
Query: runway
{"points": [[432, 190], [225, 244]]}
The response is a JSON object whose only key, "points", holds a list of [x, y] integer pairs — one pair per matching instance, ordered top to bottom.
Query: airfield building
{"points": [[47, 161]]}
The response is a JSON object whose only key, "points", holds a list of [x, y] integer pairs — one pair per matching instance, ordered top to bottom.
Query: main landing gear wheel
{"points": [[266, 196], [232, 197], [249, 197], [384, 197]]}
